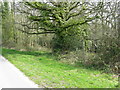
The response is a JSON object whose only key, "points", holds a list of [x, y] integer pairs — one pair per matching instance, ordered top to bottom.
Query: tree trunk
{"points": [[118, 21]]}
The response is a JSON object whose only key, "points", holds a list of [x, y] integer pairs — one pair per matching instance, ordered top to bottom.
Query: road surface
{"points": [[11, 77]]}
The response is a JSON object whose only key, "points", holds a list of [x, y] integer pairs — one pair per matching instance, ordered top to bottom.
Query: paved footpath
{"points": [[11, 77]]}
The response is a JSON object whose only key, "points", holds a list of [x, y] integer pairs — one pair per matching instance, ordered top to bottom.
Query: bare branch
{"points": [[34, 27], [31, 33]]}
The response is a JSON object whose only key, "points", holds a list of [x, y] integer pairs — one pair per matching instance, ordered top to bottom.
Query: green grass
{"points": [[43, 69]]}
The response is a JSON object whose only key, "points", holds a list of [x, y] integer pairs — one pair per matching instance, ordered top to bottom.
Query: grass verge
{"points": [[46, 71]]}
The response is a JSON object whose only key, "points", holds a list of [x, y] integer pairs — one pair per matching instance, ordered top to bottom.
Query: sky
{"points": [[63, 0]]}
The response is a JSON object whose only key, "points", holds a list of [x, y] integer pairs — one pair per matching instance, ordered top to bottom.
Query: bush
{"points": [[109, 53], [106, 56], [79, 57]]}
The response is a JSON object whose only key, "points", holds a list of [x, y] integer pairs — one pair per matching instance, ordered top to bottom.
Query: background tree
{"points": [[61, 18], [7, 24], [85, 32]]}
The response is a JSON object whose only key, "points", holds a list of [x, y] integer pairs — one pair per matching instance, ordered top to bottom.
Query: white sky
{"points": [[62, 0]]}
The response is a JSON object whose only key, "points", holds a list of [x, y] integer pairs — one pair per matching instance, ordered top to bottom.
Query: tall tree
{"points": [[61, 18], [7, 24], [118, 25], [0, 27]]}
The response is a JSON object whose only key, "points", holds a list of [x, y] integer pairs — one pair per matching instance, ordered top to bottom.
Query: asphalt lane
{"points": [[11, 77]]}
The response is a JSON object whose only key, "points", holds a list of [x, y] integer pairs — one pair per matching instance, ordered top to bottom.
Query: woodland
{"points": [[76, 33]]}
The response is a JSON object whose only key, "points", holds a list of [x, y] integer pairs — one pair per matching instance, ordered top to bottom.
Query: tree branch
{"points": [[76, 5], [73, 15], [76, 24], [34, 27], [31, 33]]}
